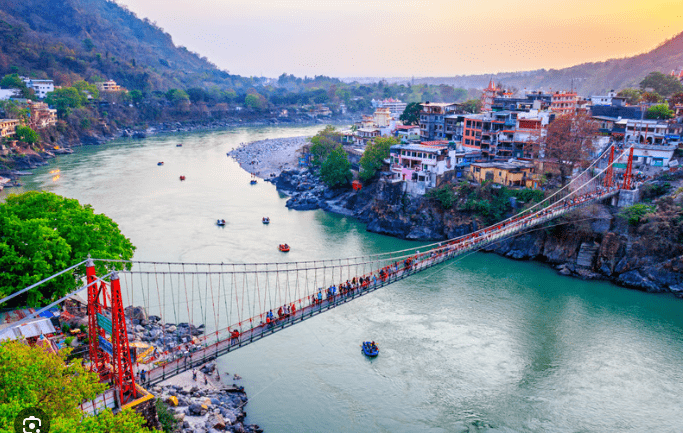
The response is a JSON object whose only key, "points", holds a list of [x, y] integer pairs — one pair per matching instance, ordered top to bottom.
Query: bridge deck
{"points": [[186, 361]]}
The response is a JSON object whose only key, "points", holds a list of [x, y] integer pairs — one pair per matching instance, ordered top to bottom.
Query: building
{"points": [[108, 86], [40, 87], [6, 94], [488, 95], [603, 99], [563, 102], [395, 106], [617, 111], [40, 115], [432, 119], [8, 127], [454, 127], [645, 131], [407, 132], [482, 132], [419, 165], [510, 173]]}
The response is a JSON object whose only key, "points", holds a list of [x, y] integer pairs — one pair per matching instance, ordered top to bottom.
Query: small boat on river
{"points": [[179, 145], [160, 163], [182, 177], [253, 181], [266, 220], [220, 222], [284, 248], [370, 349]]}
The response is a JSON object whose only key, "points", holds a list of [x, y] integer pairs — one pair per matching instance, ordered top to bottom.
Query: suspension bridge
{"points": [[239, 304]]}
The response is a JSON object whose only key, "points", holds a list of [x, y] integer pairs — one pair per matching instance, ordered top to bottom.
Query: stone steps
{"points": [[587, 254]]}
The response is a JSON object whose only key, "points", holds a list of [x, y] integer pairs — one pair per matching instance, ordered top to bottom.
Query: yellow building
{"points": [[108, 86], [8, 127], [513, 173]]}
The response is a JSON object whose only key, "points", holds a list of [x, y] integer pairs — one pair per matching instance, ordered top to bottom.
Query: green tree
{"points": [[88, 44], [12, 81], [665, 85], [86, 88], [632, 95], [177, 96], [652, 97], [65, 99], [255, 101], [471, 106], [659, 111], [411, 115], [26, 135], [323, 143], [374, 155], [336, 170], [443, 195], [635, 214], [42, 233], [33, 377]]}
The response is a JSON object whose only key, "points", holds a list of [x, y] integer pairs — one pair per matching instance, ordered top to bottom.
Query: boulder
{"points": [[138, 313], [196, 410], [217, 421]]}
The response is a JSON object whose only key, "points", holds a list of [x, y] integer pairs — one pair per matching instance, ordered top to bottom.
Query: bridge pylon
{"points": [[628, 176], [609, 177], [98, 357], [124, 379]]}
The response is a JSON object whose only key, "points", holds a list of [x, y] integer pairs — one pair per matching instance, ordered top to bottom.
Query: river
{"points": [[481, 344]]}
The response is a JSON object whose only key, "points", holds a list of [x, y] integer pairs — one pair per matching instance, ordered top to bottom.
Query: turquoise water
{"points": [[484, 342]]}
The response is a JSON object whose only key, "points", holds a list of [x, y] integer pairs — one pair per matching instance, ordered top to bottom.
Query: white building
{"points": [[40, 87], [6, 94], [603, 99], [394, 105], [644, 131]]}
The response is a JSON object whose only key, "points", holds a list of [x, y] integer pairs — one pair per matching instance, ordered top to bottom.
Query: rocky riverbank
{"points": [[267, 158], [594, 243], [206, 403]]}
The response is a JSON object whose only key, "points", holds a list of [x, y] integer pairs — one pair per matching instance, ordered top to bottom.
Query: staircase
{"points": [[587, 254]]}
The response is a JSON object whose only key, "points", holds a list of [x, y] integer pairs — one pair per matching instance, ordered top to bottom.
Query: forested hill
{"points": [[69, 40], [587, 78]]}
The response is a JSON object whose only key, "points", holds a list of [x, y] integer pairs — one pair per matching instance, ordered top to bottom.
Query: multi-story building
{"points": [[108, 86], [40, 87], [6, 94], [603, 99], [563, 102], [395, 106], [41, 116], [432, 119], [8, 127], [453, 127], [645, 131], [407, 132], [483, 132], [419, 165], [510, 173]]}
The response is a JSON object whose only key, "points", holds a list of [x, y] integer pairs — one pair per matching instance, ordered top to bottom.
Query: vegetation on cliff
{"points": [[42, 233], [33, 377]]}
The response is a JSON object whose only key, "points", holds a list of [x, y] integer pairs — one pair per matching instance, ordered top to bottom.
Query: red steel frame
{"points": [[629, 169], [609, 179], [124, 379]]}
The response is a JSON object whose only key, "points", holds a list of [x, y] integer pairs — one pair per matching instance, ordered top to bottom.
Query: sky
{"points": [[403, 38]]}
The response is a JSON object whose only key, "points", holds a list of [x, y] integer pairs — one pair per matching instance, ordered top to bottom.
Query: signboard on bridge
{"points": [[104, 322], [106, 345]]}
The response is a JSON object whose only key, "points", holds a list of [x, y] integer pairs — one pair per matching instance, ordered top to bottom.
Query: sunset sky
{"points": [[355, 38]]}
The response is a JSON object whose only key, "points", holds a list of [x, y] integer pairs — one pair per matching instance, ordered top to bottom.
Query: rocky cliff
{"points": [[593, 243]]}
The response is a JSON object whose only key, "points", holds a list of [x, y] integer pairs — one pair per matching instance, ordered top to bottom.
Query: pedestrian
{"points": [[194, 374], [143, 375], [218, 376], [206, 380]]}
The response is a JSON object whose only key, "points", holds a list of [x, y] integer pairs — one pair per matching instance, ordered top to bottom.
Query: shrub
{"points": [[634, 214]]}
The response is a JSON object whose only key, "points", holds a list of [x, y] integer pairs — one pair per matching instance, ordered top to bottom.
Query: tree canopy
{"points": [[665, 85], [632, 95], [65, 99], [471, 106], [659, 111], [411, 114], [26, 134], [323, 143], [568, 143], [374, 155], [336, 170], [42, 233], [33, 377]]}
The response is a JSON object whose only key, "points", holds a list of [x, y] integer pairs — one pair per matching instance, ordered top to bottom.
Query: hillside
{"points": [[68, 40], [587, 78]]}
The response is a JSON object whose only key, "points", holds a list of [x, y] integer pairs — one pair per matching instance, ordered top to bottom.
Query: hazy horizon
{"points": [[405, 38]]}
